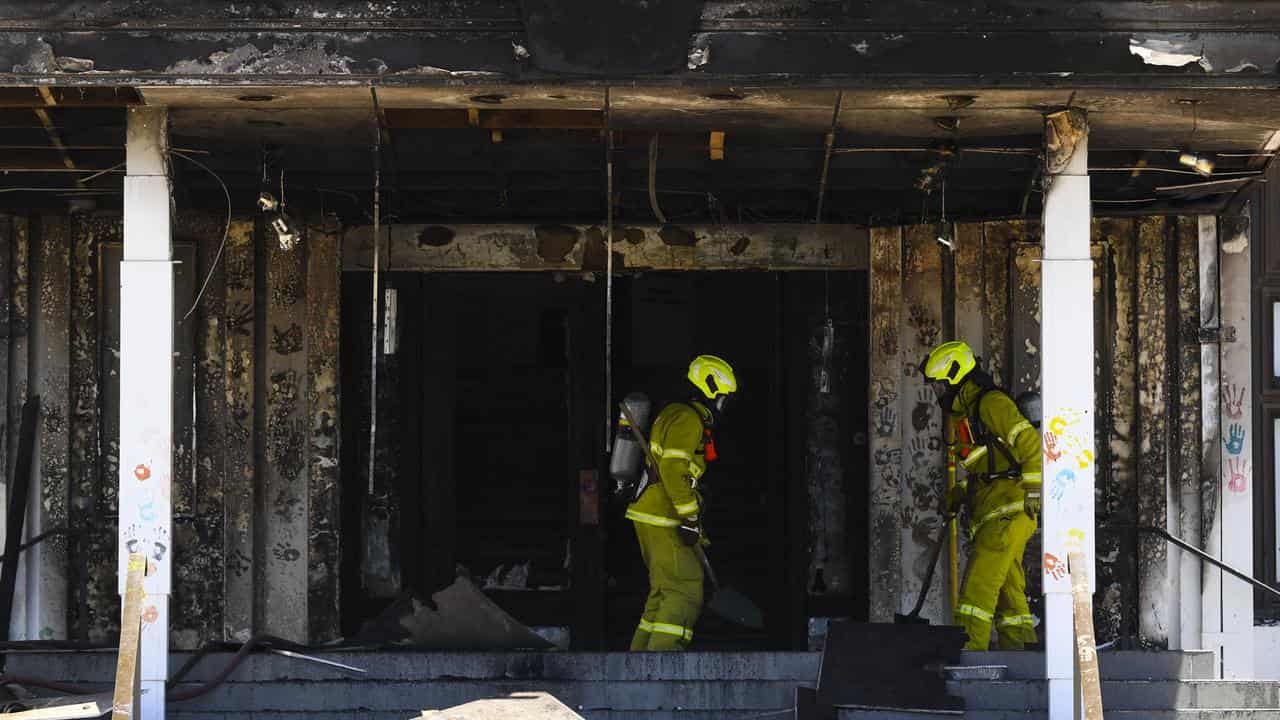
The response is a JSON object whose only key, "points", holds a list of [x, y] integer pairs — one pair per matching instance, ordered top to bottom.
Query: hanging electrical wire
{"points": [[830, 142], [653, 177], [226, 230]]}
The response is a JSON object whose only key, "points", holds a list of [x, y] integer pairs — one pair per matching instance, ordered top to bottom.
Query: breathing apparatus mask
{"points": [[945, 392]]}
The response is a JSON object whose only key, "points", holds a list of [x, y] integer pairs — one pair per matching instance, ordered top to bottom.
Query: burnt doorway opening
{"points": [[492, 443]]}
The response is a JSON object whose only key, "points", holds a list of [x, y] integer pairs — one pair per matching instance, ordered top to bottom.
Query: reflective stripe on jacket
{"points": [[676, 441], [994, 498]]}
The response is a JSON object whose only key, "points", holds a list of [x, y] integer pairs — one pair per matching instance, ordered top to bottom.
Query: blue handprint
{"points": [[1235, 439], [1064, 479]]}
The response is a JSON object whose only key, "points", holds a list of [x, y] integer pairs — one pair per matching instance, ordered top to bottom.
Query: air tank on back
{"points": [[627, 464]]}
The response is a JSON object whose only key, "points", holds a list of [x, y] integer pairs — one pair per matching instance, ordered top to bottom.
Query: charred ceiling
{"points": [[497, 110]]}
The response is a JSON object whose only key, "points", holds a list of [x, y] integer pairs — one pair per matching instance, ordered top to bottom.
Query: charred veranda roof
{"points": [[492, 110]]}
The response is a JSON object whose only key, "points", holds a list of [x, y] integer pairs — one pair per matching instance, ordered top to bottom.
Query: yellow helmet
{"points": [[950, 363], [713, 376]]}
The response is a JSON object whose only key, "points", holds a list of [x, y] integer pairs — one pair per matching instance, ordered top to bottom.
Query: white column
{"points": [[1067, 367], [146, 387], [1228, 602]]}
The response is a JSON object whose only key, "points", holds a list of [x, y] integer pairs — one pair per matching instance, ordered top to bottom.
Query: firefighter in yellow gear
{"points": [[1000, 452], [666, 512]]}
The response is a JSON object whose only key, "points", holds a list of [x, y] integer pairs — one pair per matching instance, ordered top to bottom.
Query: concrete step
{"points": [[1113, 664], [395, 665], [973, 673], [1125, 694], [591, 695], [784, 714], [860, 714], [1184, 714]]}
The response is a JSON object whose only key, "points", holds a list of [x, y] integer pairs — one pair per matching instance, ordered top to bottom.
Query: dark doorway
{"points": [[495, 417]]}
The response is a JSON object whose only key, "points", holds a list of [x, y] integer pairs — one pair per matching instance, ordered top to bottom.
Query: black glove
{"points": [[690, 531]]}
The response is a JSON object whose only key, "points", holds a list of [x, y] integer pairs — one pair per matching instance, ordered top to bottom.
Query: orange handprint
{"points": [[1051, 450], [1054, 567]]}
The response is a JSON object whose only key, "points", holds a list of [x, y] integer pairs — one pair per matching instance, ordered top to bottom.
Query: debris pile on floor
{"points": [[459, 617], [517, 706]]}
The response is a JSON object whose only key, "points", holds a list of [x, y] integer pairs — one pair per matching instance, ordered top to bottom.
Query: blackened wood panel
{"points": [[86, 234], [1154, 235], [998, 238], [6, 266], [324, 276], [53, 338], [585, 340], [404, 369], [19, 379], [439, 425], [1187, 432], [354, 444], [786, 458], [923, 466], [284, 475], [1117, 485], [239, 488], [883, 538], [380, 558], [104, 590], [195, 606]]}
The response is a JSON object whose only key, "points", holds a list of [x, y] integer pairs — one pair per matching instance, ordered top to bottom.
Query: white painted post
{"points": [[1067, 368], [146, 387], [1228, 602]]}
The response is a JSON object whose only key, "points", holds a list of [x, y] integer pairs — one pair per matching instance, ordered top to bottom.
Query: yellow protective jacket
{"points": [[677, 441], [990, 497]]}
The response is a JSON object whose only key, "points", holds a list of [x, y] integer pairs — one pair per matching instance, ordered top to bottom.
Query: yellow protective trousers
{"points": [[995, 587], [675, 590]]}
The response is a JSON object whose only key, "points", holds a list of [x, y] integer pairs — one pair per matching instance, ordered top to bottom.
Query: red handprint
{"points": [[1051, 450], [1239, 469], [1054, 567]]}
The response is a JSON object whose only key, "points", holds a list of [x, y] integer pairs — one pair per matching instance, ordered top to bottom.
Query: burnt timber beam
{"points": [[857, 43], [462, 247]]}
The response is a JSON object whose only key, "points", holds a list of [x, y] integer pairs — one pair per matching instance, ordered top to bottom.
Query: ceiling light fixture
{"points": [[1202, 163], [286, 233], [944, 234]]}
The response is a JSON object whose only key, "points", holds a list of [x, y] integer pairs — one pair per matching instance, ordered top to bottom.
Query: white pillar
{"points": [[1067, 367], [146, 387], [1228, 601]]}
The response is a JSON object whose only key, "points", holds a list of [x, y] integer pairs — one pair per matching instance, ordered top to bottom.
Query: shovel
{"points": [[725, 602], [913, 617]]}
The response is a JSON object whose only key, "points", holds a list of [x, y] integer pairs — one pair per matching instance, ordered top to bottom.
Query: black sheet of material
{"points": [[889, 666]]}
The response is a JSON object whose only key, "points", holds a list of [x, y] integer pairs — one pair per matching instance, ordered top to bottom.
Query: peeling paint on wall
{"points": [[1170, 51], [324, 273], [51, 335], [19, 374], [1185, 443], [1152, 450], [825, 460], [923, 464], [240, 481], [285, 535], [884, 541], [1117, 550]]}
